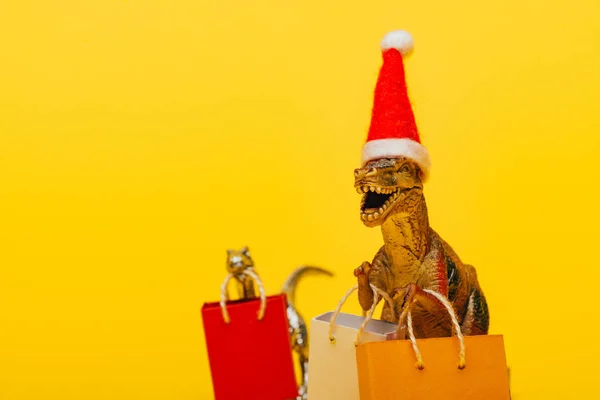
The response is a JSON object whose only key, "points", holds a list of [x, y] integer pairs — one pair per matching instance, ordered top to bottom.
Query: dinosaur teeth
{"points": [[374, 189], [380, 210], [376, 215], [364, 217], [370, 217]]}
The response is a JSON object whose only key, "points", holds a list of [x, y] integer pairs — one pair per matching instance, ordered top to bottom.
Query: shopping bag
{"points": [[249, 347], [459, 367], [332, 372]]}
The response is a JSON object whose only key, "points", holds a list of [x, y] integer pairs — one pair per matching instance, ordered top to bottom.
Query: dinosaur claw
{"points": [[364, 269], [410, 290], [396, 293], [404, 295]]}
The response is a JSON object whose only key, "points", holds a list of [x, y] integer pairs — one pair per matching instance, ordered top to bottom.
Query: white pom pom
{"points": [[399, 40]]}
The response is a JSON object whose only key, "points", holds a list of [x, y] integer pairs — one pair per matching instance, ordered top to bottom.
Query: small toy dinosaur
{"points": [[414, 257], [238, 262], [298, 330]]}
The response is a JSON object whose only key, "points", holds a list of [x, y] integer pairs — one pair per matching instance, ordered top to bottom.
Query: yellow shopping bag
{"points": [[465, 368]]}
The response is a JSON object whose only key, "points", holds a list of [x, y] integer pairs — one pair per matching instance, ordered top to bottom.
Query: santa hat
{"points": [[393, 131]]}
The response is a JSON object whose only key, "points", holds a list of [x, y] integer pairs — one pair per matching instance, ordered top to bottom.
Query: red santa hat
{"points": [[393, 131]]}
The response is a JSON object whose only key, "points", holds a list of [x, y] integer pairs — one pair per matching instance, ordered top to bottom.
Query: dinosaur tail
{"points": [[289, 287]]}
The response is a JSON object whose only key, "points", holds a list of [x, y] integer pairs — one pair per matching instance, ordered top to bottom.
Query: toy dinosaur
{"points": [[413, 257], [238, 262], [298, 330]]}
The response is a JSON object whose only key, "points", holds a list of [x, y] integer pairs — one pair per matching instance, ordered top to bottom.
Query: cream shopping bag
{"points": [[332, 371]]}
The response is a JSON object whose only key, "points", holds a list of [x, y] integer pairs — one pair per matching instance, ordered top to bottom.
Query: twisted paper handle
{"points": [[261, 291], [377, 293], [336, 312], [411, 335]]}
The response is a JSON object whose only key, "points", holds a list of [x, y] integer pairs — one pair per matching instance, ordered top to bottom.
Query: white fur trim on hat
{"points": [[399, 40], [390, 148]]}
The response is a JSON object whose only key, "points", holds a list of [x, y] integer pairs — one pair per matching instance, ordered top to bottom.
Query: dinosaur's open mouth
{"points": [[376, 201]]}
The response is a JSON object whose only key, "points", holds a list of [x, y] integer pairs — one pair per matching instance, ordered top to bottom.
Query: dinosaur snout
{"points": [[362, 173]]}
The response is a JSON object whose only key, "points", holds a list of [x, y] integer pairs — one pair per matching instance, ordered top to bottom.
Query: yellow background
{"points": [[141, 139]]}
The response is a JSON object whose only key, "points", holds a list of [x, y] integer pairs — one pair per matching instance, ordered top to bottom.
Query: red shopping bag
{"points": [[250, 357]]}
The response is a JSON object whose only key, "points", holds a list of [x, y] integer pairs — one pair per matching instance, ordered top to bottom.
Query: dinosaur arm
{"points": [[376, 273]]}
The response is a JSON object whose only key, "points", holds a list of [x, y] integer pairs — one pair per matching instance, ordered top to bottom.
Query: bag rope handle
{"points": [[261, 291], [377, 293], [337, 311], [411, 335]]}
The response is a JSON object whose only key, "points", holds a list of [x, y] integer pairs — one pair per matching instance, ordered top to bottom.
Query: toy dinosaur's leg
{"points": [[430, 317], [477, 318], [299, 340], [301, 347], [303, 390]]}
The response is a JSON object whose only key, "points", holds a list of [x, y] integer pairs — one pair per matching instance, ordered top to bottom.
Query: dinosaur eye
{"points": [[404, 168]]}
